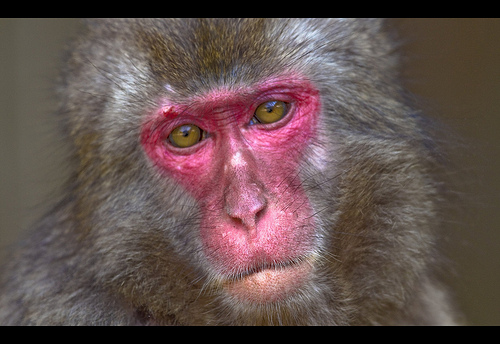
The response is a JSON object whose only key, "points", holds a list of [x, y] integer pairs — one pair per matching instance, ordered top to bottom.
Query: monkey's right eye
{"points": [[186, 135]]}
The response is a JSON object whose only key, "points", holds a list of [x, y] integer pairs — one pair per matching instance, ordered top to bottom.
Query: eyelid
{"points": [[291, 108], [176, 123], [178, 135]]}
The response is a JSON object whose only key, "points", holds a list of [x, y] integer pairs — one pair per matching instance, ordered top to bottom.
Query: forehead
{"points": [[198, 54]]}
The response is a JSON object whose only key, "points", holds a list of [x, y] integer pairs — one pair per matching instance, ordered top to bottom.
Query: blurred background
{"points": [[453, 65]]}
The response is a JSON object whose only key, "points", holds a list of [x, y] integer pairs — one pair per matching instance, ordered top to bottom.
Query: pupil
{"points": [[270, 106], [185, 130]]}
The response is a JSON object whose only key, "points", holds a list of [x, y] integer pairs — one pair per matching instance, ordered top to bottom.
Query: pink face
{"points": [[257, 228]]}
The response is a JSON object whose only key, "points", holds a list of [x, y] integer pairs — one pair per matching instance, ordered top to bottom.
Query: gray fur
{"points": [[117, 251]]}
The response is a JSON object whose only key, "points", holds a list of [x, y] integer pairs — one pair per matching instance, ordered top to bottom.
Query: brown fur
{"points": [[117, 251]]}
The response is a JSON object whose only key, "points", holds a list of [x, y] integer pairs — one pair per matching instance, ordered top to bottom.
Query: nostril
{"points": [[247, 211], [260, 213], [248, 217]]}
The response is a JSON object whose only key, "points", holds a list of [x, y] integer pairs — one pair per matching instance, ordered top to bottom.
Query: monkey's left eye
{"points": [[270, 112], [186, 135]]}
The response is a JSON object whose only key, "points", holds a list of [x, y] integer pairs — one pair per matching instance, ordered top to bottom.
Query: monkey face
{"points": [[237, 152], [236, 172]]}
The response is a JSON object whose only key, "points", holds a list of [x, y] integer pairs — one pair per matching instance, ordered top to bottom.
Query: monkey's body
{"points": [[324, 214]]}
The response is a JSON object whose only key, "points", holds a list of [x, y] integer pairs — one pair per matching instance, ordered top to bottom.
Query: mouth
{"points": [[270, 283]]}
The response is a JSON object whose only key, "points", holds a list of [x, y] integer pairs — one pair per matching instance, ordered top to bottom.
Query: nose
{"points": [[245, 196]]}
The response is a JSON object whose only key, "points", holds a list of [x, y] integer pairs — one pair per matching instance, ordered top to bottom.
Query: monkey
{"points": [[236, 172]]}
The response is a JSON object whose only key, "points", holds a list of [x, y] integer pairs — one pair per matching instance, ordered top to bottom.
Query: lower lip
{"points": [[270, 285]]}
